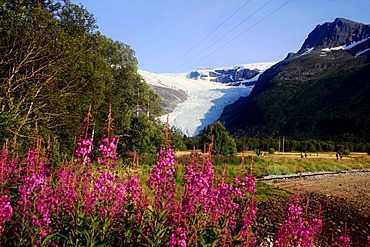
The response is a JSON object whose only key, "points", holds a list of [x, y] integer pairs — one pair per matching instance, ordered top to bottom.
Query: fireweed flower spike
{"points": [[85, 141], [108, 146], [84, 150], [108, 150], [9, 171], [162, 180], [37, 202], [6, 212], [295, 230], [178, 237], [344, 241]]}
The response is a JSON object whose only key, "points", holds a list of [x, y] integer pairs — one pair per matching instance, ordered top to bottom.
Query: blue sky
{"points": [[167, 34]]}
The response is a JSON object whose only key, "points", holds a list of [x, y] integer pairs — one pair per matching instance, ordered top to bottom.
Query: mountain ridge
{"points": [[320, 92]]}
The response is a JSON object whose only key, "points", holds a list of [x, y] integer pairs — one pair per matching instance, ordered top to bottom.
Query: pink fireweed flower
{"points": [[84, 150], [108, 150], [36, 163], [8, 169], [162, 180], [104, 184], [198, 187], [66, 190], [135, 193], [37, 201], [6, 211], [295, 230], [178, 237], [344, 241]]}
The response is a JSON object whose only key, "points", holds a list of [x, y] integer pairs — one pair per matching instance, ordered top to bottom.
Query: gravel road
{"points": [[343, 198]]}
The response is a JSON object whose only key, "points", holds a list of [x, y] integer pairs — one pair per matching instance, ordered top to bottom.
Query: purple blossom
{"points": [[84, 150], [108, 150], [8, 169], [162, 180], [198, 187], [37, 201], [6, 211], [295, 230], [178, 237], [344, 241]]}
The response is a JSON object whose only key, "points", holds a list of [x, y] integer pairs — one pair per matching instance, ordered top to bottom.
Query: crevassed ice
{"points": [[206, 99]]}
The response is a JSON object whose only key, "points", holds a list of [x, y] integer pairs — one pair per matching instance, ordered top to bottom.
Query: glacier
{"points": [[206, 99]]}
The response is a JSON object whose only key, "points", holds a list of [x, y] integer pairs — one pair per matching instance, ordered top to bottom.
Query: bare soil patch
{"points": [[343, 198]]}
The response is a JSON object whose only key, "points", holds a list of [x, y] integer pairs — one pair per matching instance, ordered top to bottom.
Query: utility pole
{"points": [[279, 145], [283, 145]]}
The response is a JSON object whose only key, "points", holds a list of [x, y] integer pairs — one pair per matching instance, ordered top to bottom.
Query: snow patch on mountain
{"points": [[346, 47], [206, 99]]}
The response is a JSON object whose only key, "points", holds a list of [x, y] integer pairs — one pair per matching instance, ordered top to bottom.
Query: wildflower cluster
{"points": [[84, 150], [108, 150], [8, 169], [162, 180], [87, 202], [226, 208], [6, 211], [296, 230], [344, 241]]}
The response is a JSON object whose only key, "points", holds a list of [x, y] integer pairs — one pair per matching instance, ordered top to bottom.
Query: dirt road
{"points": [[344, 199]]}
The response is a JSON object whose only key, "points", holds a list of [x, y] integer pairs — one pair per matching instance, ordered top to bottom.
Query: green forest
{"points": [[54, 64]]}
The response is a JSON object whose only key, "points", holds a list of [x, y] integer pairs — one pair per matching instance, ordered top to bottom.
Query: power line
{"points": [[271, 13], [209, 34], [215, 42]]}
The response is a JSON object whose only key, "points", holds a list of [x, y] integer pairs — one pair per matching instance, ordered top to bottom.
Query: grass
{"points": [[289, 163], [267, 192]]}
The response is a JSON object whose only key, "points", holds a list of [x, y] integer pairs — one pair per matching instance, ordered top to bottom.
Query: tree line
{"points": [[225, 144], [292, 145]]}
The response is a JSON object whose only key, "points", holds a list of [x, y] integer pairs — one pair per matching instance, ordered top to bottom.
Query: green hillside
{"points": [[308, 96]]}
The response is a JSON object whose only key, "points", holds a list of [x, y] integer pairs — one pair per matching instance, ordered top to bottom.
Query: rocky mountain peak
{"points": [[333, 34]]}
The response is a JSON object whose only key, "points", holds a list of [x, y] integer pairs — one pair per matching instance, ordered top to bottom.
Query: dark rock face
{"points": [[334, 34], [194, 74], [235, 75], [170, 98]]}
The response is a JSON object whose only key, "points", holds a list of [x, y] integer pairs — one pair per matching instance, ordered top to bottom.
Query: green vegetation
{"points": [[54, 64], [307, 97], [223, 143], [291, 145], [288, 163], [267, 192]]}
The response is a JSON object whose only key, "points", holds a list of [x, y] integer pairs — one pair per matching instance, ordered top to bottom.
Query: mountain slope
{"points": [[322, 92]]}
